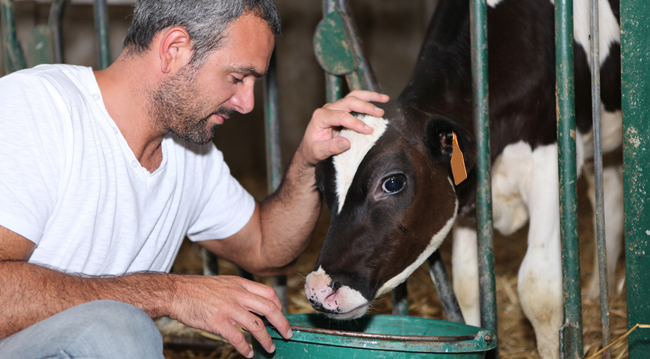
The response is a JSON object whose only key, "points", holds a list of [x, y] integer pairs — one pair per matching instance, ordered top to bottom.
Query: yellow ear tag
{"points": [[457, 162]]}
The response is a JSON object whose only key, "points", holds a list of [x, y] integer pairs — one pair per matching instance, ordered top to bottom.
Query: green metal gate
{"points": [[635, 63]]}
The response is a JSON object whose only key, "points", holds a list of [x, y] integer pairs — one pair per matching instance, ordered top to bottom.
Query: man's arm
{"points": [[281, 226], [50, 291], [30, 293]]}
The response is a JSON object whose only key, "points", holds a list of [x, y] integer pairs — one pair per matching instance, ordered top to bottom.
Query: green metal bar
{"points": [[54, 22], [101, 32], [339, 49], [13, 55], [635, 61], [364, 77], [355, 81], [333, 83], [333, 91], [480, 94], [272, 127], [273, 158], [598, 179], [210, 263], [441, 281], [400, 300], [571, 330]]}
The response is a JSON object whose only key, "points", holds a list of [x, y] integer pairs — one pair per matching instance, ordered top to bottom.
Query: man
{"points": [[102, 174]]}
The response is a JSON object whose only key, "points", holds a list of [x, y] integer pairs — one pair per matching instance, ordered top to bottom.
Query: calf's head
{"points": [[392, 201]]}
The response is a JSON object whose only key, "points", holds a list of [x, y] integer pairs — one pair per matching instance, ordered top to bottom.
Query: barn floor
{"points": [[516, 336]]}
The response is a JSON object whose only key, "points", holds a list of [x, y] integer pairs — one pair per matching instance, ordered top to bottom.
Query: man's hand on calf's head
{"points": [[321, 140], [218, 303]]}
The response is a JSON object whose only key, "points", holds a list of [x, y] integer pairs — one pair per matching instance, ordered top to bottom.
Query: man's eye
{"points": [[237, 79], [393, 184]]}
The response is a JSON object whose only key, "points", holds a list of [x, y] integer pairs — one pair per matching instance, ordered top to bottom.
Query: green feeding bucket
{"points": [[377, 336]]}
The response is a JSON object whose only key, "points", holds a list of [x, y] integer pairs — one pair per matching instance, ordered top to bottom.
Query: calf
{"points": [[393, 196]]}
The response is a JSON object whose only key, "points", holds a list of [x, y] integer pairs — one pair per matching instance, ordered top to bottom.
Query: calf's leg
{"points": [[464, 263], [540, 274]]}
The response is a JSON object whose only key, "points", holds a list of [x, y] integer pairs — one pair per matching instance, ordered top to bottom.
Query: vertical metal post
{"points": [[54, 22], [101, 32], [479, 45], [13, 54], [635, 62], [363, 78], [333, 83], [333, 90], [272, 127], [273, 158], [598, 178], [210, 263], [443, 285], [400, 299], [571, 330]]}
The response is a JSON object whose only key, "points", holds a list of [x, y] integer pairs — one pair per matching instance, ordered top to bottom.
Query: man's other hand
{"points": [[218, 303]]}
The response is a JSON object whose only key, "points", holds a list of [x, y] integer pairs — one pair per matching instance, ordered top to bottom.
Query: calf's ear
{"points": [[439, 134]]}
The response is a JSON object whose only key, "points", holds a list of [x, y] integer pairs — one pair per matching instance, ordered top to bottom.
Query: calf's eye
{"points": [[393, 184]]}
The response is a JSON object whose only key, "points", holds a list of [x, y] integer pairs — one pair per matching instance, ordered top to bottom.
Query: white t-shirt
{"points": [[70, 183]]}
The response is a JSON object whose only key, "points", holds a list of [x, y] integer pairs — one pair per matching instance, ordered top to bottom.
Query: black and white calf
{"points": [[392, 197]]}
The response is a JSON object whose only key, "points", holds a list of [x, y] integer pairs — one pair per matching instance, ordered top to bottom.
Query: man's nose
{"points": [[244, 98]]}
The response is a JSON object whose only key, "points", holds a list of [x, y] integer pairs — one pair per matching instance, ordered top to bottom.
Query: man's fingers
{"points": [[369, 96], [355, 104], [334, 120], [348, 121], [263, 291], [272, 312], [256, 327], [236, 338]]}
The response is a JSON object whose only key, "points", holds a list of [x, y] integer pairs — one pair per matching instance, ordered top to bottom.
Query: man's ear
{"points": [[175, 49], [439, 133]]}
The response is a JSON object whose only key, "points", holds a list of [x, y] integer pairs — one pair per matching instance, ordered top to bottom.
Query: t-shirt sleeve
{"points": [[31, 154], [226, 206]]}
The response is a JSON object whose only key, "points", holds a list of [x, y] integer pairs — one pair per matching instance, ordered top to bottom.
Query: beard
{"points": [[176, 105]]}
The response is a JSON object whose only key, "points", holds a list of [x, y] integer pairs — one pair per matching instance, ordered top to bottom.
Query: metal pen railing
{"points": [[100, 11], [45, 45], [635, 86], [480, 98], [273, 155], [601, 247], [571, 329]]}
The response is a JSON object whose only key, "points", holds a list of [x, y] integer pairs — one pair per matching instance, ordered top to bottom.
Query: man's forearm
{"points": [[289, 216], [30, 293]]}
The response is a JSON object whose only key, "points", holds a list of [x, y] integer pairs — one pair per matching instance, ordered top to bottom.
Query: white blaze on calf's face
{"points": [[347, 163]]}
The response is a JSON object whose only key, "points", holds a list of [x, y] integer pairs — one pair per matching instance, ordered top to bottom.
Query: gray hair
{"points": [[206, 21]]}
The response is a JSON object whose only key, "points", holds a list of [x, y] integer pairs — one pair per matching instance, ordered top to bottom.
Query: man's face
{"points": [[195, 100]]}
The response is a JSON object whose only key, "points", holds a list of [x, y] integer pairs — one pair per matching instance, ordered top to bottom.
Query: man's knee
{"points": [[116, 322], [101, 329]]}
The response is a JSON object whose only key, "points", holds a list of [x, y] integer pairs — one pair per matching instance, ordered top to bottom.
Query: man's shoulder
{"points": [[61, 78], [44, 98]]}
